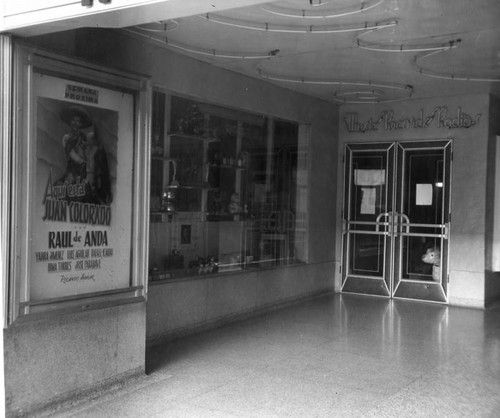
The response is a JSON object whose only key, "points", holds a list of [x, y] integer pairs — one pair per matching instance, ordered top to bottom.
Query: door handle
{"points": [[377, 220], [402, 221], [405, 223]]}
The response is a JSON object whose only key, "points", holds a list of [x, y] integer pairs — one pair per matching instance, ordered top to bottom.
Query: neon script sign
{"points": [[440, 117]]}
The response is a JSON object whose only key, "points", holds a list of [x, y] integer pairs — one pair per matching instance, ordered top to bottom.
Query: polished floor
{"points": [[333, 356]]}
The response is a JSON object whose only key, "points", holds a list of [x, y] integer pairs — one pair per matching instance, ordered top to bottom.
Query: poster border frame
{"points": [[27, 61]]}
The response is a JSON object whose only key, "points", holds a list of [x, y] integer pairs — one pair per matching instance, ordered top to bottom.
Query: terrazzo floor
{"points": [[333, 356]]}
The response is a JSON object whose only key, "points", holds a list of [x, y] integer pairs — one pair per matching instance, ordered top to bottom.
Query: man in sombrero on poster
{"points": [[74, 143], [86, 161]]}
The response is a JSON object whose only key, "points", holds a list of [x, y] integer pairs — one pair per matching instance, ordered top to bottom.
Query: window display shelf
{"points": [[193, 136], [161, 158], [228, 166], [191, 187], [233, 217]]}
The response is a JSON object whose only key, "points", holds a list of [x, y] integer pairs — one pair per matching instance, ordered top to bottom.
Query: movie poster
{"points": [[81, 212]]}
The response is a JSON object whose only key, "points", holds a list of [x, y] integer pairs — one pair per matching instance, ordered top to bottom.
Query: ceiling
{"points": [[348, 50]]}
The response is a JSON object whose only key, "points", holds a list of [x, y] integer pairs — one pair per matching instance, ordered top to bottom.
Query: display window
{"points": [[228, 190]]}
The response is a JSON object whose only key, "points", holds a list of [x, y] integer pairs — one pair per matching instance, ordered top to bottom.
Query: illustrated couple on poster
{"points": [[86, 160]]}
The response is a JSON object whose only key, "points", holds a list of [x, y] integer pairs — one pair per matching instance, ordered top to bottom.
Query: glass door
{"points": [[396, 219], [423, 220], [368, 221]]}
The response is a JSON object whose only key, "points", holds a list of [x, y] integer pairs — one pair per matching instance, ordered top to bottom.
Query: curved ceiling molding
{"points": [[323, 14], [312, 29], [456, 77], [355, 91]]}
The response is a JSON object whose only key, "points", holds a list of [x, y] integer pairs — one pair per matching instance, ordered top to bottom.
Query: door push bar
{"points": [[398, 223], [346, 224], [405, 226]]}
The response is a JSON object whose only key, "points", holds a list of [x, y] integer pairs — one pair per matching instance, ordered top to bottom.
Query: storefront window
{"points": [[227, 190]]}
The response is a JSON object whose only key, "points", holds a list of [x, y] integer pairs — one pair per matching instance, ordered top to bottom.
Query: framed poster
{"points": [[81, 186]]}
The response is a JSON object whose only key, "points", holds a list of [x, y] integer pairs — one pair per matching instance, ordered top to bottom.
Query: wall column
{"points": [[5, 167]]}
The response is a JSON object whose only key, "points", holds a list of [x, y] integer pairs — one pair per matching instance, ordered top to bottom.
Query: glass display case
{"points": [[223, 190]]}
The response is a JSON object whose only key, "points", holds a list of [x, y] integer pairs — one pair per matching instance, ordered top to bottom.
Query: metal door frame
{"points": [[395, 226], [375, 285]]}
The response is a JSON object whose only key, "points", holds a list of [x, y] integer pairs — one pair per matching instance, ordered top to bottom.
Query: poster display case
{"points": [[80, 186]]}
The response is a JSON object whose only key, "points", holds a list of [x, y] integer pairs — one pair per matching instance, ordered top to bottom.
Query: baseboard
{"points": [[493, 302], [467, 303], [229, 319], [72, 399]]}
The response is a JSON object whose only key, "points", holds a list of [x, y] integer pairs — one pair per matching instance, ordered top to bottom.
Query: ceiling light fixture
{"points": [[305, 14], [160, 26], [267, 27], [408, 47], [434, 47], [423, 51], [205, 52], [219, 54], [454, 77], [303, 80], [373, 95], [359, 96], [367, 99]]}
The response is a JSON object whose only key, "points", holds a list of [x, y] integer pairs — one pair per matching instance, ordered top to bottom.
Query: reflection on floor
{"points": [[334, 356]]}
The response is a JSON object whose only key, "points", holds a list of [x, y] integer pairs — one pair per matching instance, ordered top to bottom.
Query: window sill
{"points": [[192, 274]]}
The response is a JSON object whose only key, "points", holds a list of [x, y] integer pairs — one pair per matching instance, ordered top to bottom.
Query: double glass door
{"points": [[396, 219]]}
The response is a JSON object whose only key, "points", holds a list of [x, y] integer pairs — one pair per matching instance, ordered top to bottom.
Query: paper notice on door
{"points": [[369, 177], [424, 195], [368, 200]]}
